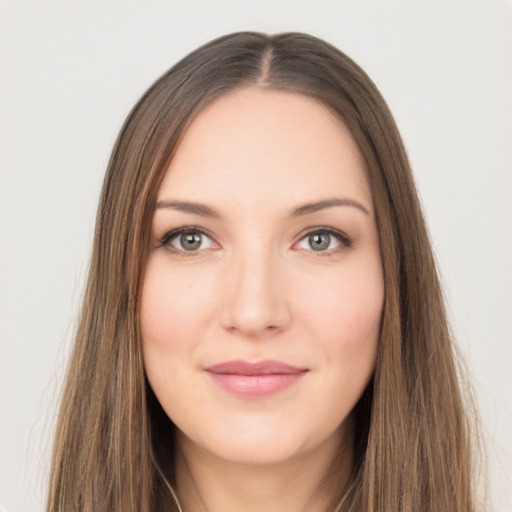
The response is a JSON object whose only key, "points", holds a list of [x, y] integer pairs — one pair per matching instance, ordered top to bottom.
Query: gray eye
{"points": [[191, 241], [319, 241]]}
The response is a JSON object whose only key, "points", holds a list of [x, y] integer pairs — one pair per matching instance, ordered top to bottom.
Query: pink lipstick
{"points": [[253, 380]]}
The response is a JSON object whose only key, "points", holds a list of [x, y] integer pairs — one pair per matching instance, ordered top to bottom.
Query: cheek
{"points": [[173, 303], [348, 305], [174, 308], [343, 318]]}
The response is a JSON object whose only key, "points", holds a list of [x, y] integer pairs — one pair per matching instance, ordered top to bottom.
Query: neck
{"points": [[311, 482]]}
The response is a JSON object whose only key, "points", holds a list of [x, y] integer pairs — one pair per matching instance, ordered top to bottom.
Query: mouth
{"points": [[254, 380]]}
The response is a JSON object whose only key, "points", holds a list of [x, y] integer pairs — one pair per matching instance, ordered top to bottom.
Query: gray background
{"points": [[70, 71]]}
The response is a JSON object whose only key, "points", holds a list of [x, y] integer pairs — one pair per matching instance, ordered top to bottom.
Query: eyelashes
{"points": [[189, 239], [193, 240], [321, 240]]}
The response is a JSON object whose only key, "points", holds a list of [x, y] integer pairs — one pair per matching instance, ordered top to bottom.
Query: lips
{"points": [[253, 380]]}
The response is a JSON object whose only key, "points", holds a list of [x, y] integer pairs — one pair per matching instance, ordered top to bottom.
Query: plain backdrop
{"points": [[70, 71]]}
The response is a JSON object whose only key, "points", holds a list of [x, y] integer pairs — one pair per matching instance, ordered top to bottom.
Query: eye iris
{"points": [[190, 241], [319, 241]]}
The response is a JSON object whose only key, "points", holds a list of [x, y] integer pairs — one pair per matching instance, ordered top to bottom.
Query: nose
{"points": [[255, 302]]}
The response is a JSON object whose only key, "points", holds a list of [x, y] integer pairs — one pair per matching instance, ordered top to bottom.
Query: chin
{"points": [[252, 442], [256, 452]]}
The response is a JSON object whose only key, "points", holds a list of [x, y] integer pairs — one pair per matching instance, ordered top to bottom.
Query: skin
{"points": [[255, 290]]}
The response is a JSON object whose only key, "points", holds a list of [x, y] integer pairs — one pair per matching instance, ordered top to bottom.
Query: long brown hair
{"points": [[412, 430]]}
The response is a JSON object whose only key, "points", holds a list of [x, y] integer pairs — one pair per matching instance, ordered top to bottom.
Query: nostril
{"points": [[256, 322]]}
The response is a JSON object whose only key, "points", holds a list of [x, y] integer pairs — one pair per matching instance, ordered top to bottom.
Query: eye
{"points": [[187, 240], [324, 240]]}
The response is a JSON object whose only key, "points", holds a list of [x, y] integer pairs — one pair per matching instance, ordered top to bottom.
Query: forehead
{"points": [[261, 145]]}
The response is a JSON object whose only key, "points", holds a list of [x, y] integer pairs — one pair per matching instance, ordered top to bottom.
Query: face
{"points": [[263, 291]]}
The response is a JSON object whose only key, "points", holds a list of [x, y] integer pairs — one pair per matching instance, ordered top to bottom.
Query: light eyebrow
{"points": [[327, 203], [190, 207]]}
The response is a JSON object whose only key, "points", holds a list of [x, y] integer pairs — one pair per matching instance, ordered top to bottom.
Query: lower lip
{"points": [[255, 386]]}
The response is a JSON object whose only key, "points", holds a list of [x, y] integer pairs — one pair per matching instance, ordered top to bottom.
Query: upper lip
{"points": [[268, 367]]}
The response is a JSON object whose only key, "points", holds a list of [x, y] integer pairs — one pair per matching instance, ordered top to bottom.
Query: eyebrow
{"points": [[327, 203], [190, 207], [204, 210]]}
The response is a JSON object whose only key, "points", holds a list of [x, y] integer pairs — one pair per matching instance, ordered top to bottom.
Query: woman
{"points": [[263, 327]]}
